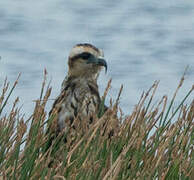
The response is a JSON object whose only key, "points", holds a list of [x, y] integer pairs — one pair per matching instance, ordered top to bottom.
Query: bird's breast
{"points": [[81, 101]]}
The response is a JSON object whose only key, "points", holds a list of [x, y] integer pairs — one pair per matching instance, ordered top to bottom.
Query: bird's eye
{"points": [[85, 55]]}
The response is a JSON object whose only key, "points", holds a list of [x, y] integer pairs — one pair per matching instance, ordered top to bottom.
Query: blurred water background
{"points": [[142, 40]]}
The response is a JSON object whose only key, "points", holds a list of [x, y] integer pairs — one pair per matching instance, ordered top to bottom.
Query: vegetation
{"points": [[153, 142]]}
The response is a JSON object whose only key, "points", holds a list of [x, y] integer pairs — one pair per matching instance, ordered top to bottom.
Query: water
{"points": [[142, 40]]}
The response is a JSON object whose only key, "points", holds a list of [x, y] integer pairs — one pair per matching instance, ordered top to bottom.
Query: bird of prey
{"points": [[79, 99]]}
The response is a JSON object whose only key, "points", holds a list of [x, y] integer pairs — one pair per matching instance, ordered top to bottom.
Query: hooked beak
{"points": [[98, 61]]}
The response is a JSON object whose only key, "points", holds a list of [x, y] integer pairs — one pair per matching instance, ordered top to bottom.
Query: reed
{"points": [[153, 142]]}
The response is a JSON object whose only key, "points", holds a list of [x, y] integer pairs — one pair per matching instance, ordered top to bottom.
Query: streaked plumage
{"points": [[79, 99]]}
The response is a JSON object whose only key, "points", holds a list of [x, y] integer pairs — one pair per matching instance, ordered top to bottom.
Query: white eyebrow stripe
{"points": [[75, 51], [101, 57]]}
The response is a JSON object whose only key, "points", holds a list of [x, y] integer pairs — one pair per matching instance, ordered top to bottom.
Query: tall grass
{"points": [[153, 142]]}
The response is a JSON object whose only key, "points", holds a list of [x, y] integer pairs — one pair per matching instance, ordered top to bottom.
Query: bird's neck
{"points": [[84, 77], [79, 82]]}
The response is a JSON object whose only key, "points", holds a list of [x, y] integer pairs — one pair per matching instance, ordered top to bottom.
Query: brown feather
{"points": [[79, 99]]}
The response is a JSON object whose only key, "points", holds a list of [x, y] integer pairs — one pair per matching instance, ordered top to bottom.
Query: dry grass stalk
{"points": [[146, 144]]}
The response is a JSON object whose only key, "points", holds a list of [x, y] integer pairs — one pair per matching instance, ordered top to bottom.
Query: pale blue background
{"points": [[142, 40]]}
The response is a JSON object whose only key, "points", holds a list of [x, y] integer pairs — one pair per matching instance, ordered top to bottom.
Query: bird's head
{"points": [[86, 60]]}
